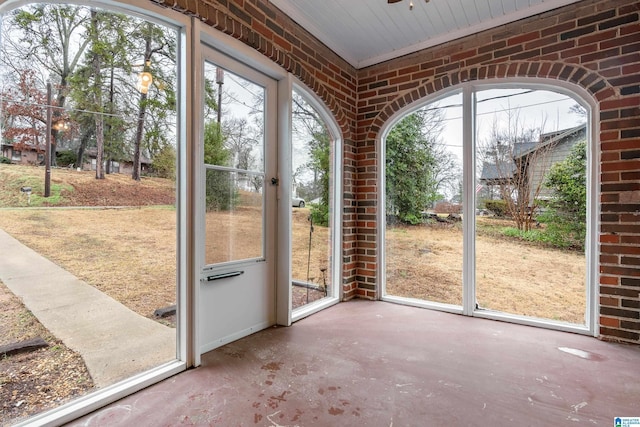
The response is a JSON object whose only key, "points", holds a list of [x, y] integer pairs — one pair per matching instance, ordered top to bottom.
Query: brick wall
{"points": [[592, 44]]}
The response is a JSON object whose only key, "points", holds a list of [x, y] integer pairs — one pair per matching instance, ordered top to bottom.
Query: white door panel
{"points": [[238, 225], [233, 307]]}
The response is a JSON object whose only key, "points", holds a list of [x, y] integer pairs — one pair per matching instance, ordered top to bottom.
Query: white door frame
{"points": [[207, 38], [237, 297]]}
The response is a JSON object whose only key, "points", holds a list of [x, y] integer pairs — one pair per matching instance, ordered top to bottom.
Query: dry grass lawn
{"points": [[238, 235], [130, 255], [425, 262]]}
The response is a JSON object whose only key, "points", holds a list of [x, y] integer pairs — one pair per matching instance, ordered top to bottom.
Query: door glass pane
{"points": [[234, 164], [312, 166], [531, 212], [233, 219], [423, 235], [90, 267]]}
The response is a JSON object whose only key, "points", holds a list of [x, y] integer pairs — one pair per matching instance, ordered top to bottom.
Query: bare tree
{"points": [[47, 37], [159, 54], [96, 65], [240, 140], [514, 160], [445, 170]]}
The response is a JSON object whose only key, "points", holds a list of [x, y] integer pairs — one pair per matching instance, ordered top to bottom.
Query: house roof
{"points": [[546, 140], [522, 148], [491, 172]]}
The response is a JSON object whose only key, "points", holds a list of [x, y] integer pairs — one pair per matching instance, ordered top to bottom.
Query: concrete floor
{"points": [[365, 363]]}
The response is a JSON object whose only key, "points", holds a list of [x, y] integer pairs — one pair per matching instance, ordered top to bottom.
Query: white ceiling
{"points": [[366, 32]]}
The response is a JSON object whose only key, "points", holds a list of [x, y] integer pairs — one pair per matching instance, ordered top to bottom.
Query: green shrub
{"points": [[66, 158], [5, 160], [164, 163], [498, 207], [566, 211], [320, 214], [562, 231], [548, 236]]}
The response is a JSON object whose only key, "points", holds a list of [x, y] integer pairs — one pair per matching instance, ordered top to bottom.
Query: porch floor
{"points": [[380, 364]]}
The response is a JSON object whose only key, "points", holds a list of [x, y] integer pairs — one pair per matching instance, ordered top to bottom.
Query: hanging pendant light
{"points": [[410, 2], [145, 78]]}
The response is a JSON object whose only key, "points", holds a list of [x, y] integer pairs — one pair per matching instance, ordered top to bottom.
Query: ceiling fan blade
{"points": [[393, 1]]}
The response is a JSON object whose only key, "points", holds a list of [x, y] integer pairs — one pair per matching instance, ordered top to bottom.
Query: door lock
{"points": [[275, 181]]}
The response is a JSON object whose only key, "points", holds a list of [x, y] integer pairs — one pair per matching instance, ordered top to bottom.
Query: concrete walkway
{"points": [[114, 342]]}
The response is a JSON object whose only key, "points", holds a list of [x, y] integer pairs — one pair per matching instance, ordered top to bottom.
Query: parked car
{"points": [[297, 202]]}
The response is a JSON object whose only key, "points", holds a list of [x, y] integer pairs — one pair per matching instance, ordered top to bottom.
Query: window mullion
{"points": [[468, 177]]}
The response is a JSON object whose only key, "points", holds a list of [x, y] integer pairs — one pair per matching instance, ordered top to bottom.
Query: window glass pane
{"points": [[234, 163], [312, 165], [531, 212], [423, 237], [97, 279]]}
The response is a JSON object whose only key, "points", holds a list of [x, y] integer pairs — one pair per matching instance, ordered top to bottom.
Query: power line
{"points": [[55, 107], [493, 112]]}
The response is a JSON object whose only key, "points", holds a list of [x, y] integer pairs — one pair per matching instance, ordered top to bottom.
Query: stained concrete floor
{"points": [[364, 363]]}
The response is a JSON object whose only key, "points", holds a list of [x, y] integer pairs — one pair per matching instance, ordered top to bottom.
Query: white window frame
{"points": [[336, 204], [468, 307]]}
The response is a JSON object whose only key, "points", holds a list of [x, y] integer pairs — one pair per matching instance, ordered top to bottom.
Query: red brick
{"points": [[523, 38], [621, 166], [609, 280], [610, 301], [610, 322]]}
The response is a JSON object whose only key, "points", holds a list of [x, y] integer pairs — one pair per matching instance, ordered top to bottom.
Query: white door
{"points": [[238, 179]]}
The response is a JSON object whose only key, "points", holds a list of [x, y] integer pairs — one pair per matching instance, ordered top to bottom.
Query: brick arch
{"points": [[221, 18], [593, 83], [327, 98]]}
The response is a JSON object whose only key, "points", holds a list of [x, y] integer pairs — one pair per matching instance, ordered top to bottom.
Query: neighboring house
{"points": [[28, 155], [530, 162], [122, 166]]}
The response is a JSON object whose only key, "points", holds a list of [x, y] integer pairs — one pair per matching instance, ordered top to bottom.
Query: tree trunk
{"points": [[98, 103], [141, 115], [138, 142], [83, 144], [109, 144], [99, 146]]}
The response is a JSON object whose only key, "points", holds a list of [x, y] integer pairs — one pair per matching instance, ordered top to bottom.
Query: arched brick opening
{"points": [[597, 86]]}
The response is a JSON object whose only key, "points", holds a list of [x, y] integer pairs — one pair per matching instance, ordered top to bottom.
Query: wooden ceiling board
{"points": [[366, 32]]}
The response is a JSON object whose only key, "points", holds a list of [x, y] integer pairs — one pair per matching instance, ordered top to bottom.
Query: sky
{"points": [[538, 109]]}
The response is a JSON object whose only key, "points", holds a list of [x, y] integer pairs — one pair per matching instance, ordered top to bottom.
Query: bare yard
{"points": [[130, 255], [425, 262], [31, 382]]}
